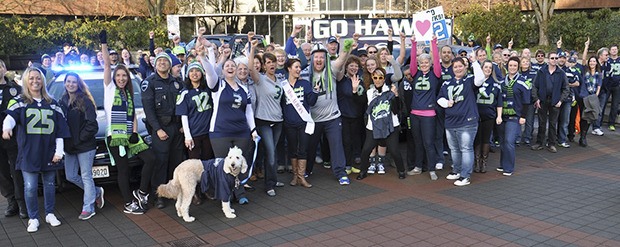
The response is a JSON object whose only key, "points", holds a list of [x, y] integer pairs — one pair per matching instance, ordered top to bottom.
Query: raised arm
{"points": [[152, 43], [290, 47], [487, 48], [435, 52], [401, 54], [584, 56], [342, 58], [208, 64], [413, 65], [107, 69], [253, 73], [398, 73], [478, 74]]}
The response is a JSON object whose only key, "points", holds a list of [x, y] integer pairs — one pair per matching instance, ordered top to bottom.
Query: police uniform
{"points": [[159, 101], [11, 181]]}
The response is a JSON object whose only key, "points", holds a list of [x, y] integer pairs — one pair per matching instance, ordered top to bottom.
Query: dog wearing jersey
{"points": [[221, 174]]}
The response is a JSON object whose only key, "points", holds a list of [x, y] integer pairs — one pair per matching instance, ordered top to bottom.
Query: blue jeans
{"points": [[563, 121], [508, 131], [333, 132], [270, 134], [461, 143], [84, 180], [31, 184]]}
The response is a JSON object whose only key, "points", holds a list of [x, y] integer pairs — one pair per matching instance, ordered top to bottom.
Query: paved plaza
{"points": [[569, 198]]}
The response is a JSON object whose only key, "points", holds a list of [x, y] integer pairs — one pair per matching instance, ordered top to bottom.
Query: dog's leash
{"points": [[253, 160]]}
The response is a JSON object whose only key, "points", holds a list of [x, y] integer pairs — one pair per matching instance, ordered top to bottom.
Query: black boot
{"points": [[582, 141], [483, 164], [362, 175], [160, 203], [12, 208]]}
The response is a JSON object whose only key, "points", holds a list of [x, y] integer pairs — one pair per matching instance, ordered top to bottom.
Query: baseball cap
{"points": [[332, 39], [498, 46], [177, 50], [113, 52], [362, 53], [562, 54], [44, 56], [572, 60]]}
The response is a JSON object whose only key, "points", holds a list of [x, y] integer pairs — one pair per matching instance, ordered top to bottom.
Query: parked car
{"points": [[103, 170]]}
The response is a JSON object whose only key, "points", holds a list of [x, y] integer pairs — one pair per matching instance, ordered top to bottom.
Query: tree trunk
{"points": [[543, 9]]}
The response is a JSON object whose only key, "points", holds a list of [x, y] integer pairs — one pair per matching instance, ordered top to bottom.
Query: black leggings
{"points": [[297, 141], [391, 142], [481, 143], [202, 148], [124, 170]]}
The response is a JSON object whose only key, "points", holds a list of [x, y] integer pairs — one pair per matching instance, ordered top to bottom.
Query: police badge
{"points": [[176, 85], [13, 91]]}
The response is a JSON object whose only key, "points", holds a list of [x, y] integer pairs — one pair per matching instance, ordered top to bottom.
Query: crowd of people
{"points": [[339, 104]]}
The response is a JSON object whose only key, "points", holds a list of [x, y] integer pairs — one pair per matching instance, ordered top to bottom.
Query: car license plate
{"points": [[101, 171]]}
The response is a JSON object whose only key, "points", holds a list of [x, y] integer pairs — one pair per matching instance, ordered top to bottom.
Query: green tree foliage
{"points": [[504, 22], [575, 28], [38, 35]]}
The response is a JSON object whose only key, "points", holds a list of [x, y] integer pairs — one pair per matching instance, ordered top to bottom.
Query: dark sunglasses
{"points": [[372, 52], [463, 54], [506, 55], [541, 55], [553, 58], [380, 77]]}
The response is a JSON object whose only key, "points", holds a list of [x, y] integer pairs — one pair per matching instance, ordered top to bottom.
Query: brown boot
{"points": [[295, 167], [301, 171]]}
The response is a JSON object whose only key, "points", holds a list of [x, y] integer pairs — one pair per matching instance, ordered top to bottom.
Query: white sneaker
{"points": [[597, 132], [318, 160], [439, 166], [372, 168], [380, 169], [415, 171], [433, 175], [453, 176], [462, 182], [51, 218], [33, 225]]}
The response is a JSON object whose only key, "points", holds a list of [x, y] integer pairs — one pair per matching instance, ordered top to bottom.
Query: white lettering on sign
{"points": [[322, 29]]}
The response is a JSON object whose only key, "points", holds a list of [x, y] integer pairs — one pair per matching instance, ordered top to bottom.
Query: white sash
{"points": [[299, 107]]}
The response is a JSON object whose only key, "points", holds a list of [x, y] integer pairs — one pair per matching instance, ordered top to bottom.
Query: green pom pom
{"points": [[348, 43]]}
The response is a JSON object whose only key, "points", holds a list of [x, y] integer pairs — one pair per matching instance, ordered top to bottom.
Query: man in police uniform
{"points": [[159, 93], [11, 181]]}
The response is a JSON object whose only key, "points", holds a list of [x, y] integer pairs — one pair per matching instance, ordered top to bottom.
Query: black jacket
{"points": [[159, 100], [83, 126]]}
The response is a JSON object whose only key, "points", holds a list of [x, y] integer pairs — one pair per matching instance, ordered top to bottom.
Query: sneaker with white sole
{"points": [[597, 132], [564, 145], [318, 160], [439, 166], [372, 168], [380, 169], [416, 170], [507, 174], [433, 175], [453, 176], [344, 180], [462, 182], [143, 199], [100, 201], [133, 208], [86, 215], [52, 220], [33, 225]]}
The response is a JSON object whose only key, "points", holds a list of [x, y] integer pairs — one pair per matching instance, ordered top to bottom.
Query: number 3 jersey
{"points": [[197, 105], [229, 107], [38, 124]]}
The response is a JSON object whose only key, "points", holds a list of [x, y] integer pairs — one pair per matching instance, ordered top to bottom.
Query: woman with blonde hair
{"points": [[42, 127]]}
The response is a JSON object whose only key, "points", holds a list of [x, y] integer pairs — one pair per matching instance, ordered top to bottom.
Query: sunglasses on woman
{"points": [[378, 77]]}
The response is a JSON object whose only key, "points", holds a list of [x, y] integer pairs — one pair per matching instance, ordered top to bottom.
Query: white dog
{"points": [[220, 174]]}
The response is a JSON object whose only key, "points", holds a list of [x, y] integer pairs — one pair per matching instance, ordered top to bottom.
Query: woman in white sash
{"points": [[298, 125]]}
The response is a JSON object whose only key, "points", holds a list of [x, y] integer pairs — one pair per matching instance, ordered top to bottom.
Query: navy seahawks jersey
{"points": [[425, 88], [197, 105], [229, 106], [464, 112], [38, 124], [214, 177]]}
